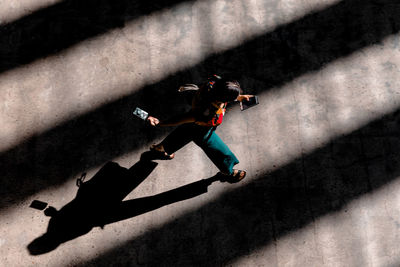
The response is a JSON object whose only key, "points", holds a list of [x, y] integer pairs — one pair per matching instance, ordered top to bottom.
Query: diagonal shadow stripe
{"points": [[62, 25], [311, 42], [273, 59], [277, 203]]}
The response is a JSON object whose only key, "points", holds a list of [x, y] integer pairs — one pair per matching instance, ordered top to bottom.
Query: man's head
{"points": [[225, 91]]}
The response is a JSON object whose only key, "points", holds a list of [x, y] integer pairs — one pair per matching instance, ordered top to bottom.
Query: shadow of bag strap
{"points": [[80, 180]]}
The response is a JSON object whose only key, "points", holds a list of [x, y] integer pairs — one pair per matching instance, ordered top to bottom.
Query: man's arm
{"points": [[241, 98], [176, 120]]}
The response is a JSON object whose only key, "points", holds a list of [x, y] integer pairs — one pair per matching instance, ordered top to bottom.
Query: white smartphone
{"points": [[141, 113]]}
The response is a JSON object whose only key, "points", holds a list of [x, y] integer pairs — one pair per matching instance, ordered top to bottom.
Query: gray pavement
{"points": [[321, 148]]}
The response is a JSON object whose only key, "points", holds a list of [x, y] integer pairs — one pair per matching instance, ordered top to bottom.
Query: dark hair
{"points": [[225, 91]]}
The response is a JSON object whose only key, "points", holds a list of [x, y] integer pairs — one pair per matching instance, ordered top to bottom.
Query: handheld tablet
{"points": [[249, 103]]}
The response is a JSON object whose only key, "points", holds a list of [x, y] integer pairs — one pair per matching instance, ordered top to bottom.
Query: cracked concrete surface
{"points": [[321, 148]]}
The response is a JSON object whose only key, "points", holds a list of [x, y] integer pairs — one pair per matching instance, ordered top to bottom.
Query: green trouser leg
{"points": [[206, 138], [218, 152]]}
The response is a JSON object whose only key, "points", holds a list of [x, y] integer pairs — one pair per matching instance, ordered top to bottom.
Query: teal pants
{"points": [[206, 138]]}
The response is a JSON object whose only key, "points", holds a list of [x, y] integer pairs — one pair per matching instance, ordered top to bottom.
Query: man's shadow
{"points": [[99, 202]]}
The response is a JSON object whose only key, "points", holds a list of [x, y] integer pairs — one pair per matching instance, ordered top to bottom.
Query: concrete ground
{"points": [[321, 149]]}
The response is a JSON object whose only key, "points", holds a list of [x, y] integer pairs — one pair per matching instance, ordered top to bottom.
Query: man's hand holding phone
{"points": [[241, 98], [247, 101], [140, 113], [153, 121]]}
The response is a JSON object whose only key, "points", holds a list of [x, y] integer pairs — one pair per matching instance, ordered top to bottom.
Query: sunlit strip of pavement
{"points": [[13, 10], [362, 232]]}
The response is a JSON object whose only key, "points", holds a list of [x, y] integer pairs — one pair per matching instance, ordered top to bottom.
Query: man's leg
{"points": [[178, 138], [218, 152]]}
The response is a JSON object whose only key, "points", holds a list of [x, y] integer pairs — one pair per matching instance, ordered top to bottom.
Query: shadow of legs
{"points": [[99, 202]]}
